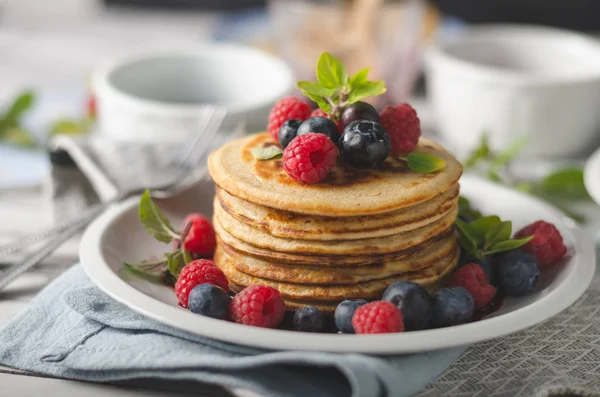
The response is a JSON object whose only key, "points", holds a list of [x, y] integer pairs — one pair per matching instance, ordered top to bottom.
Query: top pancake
{"points": [[346, 191]]}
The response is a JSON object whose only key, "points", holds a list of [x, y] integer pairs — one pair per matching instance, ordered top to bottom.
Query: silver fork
{"points": [[166, 181]]}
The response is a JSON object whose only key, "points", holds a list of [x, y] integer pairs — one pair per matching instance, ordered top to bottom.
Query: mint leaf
{"points": [[331, 72], [359, 78], [309, 87], [365, 90], [19, 106], [71, 126], [18, 136], [266, 152], [480, 153], [510, 153], [424, 163], [566, 183], [154, 221], [481, 226], [466, 231], [499, 233], [467, 245], [508, 245], [186, 256], [176, 262], [150, 270]]}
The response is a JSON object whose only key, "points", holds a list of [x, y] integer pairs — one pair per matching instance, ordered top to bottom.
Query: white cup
{"points": [[514, 81], [155, 93]]}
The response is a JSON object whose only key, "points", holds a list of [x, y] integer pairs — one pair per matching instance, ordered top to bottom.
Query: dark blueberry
{"points": [[359, 111], [321, 125], [288, 131], [365, 143], [488, 265], [518, 271], [209, 300], [413, 301], [451, 306], [344, 312], [309, 319]]}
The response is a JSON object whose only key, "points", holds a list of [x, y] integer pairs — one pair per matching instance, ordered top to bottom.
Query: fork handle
{"points": [[49, 247]]}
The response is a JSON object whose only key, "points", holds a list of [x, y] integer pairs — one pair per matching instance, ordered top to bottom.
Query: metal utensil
{"points": [[163, 180]]}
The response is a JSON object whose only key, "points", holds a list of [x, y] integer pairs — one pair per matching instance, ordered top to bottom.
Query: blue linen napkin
{"points": [[73, 330]]}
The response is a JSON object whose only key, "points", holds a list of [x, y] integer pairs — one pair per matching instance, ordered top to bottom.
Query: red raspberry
{"points": [[91, 106], [286, 109], [321, 113], [402, 125], [309, 157], [200, 240], [547, 244], [198, 272], [472, 278], [259, 306], [378, 317]]}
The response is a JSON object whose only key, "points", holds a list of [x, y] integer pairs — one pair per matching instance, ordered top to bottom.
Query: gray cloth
{"points": [[73, 330]]}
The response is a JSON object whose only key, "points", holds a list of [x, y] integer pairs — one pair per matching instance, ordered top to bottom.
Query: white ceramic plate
{"points": [[591, 176], [117, 236]]}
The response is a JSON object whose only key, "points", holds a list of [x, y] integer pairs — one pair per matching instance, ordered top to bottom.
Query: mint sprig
{"points": [[335, 89], [270, 152], [424, 163], [157, 225], [487, 235]]}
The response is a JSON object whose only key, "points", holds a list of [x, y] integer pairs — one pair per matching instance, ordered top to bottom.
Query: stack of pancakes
{"points": [[346, 237]]}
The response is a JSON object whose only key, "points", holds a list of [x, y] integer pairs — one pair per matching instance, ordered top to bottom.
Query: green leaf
{"points": [[331, 72], [359, 78], [315, 89], [365, 90], [323, 104], [19, 106], [71, 127], [18, 136], [266, 152], [478, 154], [424, 163], [566, 183], [560, 206], [154, 221], [482, 225], [466, 231], [499, 233], [467, 244], [508, 245], [186, 256], [176, 262], [150, 270]]}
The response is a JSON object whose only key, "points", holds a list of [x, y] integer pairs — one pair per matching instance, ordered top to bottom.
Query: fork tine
{"points": [[209, 129], [195, 135], [201, 147]]}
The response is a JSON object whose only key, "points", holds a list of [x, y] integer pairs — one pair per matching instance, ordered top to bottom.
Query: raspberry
{"points": [[286, 109], [321, 113], [403, 126], [309, 157], [200, 240], [547, 243], [195, 273], [472, 278], [259, 306], [377, 317]]}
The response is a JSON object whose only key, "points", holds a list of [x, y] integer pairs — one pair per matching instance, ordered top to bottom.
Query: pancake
{"points": [[346, 191], [289, 225], [374, 246], [308, 259], [344, 275], [364, 290]]}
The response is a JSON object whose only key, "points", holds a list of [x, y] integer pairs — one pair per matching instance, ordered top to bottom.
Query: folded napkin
{"points": [[73, 330]]}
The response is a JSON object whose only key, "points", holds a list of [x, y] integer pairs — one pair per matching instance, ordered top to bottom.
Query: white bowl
{"points": [[512, 81], [156, 92]]}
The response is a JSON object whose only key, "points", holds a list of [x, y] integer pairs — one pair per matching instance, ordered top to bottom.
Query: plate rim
{"points": [[591, 175], [383, 344]]}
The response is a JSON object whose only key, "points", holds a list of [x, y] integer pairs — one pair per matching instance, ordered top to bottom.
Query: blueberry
{"points": [[359, 111], [321, 125], [288, 131], [365, 143], [488, 265], [518, 271], [209, 300], [413, 301], [451, 306], [344, 312], [309, 319]]}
